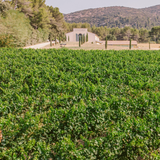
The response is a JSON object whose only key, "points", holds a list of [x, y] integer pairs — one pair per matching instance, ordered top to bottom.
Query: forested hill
{"points": [[117, 17]]}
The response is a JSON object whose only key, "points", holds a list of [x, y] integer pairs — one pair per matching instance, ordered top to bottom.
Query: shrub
{"points": [[18, 27], [6, 40]]}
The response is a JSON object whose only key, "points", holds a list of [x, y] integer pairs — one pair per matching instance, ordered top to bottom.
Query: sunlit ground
{"points": [[94, 46]]}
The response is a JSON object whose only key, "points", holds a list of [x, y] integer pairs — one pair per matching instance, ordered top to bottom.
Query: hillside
{"points": [[117, 17]]}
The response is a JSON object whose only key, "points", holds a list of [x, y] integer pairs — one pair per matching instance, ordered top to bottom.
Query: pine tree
{"points": [[4, 7], [25, 7], [57, 20], [87, 37], [82, 38], [79, 41], [106, 43], [130, 44]]}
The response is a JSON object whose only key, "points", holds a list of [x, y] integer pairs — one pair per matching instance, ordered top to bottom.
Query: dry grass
{"points": [[94, 46]]}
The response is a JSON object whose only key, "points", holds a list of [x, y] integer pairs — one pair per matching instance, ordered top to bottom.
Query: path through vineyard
{"points": [[38, 46], [89, 46]]}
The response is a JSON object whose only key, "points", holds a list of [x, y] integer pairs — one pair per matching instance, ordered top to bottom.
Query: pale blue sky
{"points": [[68, 6]]}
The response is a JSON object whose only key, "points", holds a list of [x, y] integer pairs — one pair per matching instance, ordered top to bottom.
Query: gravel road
{"points": [[38, 46]]}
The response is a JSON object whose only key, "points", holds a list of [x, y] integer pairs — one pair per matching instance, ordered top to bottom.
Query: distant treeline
{"points": [[140, 35]]}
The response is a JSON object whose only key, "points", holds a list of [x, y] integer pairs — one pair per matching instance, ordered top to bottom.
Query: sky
{"points": [[68, 6]]}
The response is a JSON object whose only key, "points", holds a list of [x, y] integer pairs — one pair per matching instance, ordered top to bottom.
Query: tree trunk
{"points": [[15, 6]]}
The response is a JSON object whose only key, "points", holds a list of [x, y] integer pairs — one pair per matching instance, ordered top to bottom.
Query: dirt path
{"points": [[38, 46], [89, 46]]}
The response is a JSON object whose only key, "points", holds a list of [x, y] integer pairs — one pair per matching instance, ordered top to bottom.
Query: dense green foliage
{"points": [[4, 7], [28, 22], [16, 25], [69, 104]]}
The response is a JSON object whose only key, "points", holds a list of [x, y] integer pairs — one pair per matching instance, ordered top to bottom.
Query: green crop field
{"points": [[79, 105]]}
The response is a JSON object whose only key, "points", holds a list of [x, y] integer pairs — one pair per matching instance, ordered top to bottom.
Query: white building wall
{"points": [[80, 30], [72, 35], [91, 37], [96, 38]]}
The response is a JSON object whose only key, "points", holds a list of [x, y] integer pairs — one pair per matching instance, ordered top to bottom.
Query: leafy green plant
{"points": [[76, 104]]}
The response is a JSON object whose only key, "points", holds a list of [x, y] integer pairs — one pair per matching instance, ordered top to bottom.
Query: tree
{"points": [[4, 7], [25, 7], [35, 10], [41, 15], [42, 19], [57, 23], [85, 25], [18, 26], [115, 31], [126, 32], [155, 32], [135, 34], [143, 35], [87, 37], [111, 37], [83, 39], [79, 41], [106, 43], [130, 44]]}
